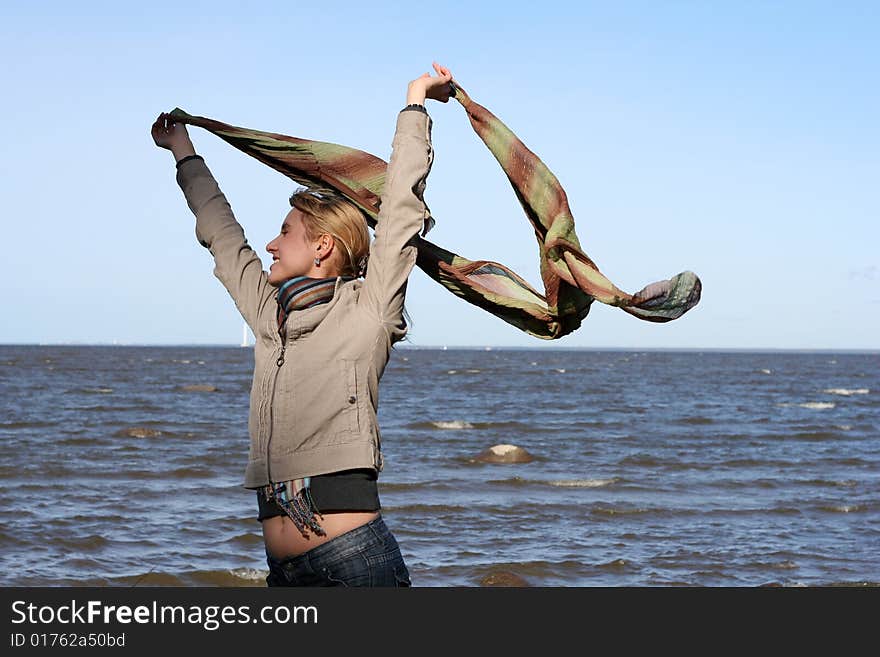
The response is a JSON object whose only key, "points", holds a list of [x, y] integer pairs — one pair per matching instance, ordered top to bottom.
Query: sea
{"points": [[123, 466]]}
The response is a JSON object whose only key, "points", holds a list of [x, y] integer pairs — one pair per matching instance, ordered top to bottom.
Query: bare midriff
{"points": [[283, 539]]}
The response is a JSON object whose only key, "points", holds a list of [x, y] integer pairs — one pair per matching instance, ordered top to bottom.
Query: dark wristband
{"points": [[415, 107], [187, 158]]}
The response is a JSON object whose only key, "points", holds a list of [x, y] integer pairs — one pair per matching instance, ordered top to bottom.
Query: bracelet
{"points": [[187, 158]]}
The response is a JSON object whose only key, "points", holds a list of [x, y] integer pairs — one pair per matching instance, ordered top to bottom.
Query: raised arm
{"points": [[402, 211], [236, 264]]}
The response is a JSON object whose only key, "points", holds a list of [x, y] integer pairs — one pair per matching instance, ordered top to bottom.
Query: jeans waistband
{"points": [[342, 546]]}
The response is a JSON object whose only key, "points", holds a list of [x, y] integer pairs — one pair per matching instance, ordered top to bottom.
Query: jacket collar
{"points": [[303, 322]]}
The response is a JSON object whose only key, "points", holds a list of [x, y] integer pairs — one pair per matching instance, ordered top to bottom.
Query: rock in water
{"points": [[198, 388], [505, 454]]}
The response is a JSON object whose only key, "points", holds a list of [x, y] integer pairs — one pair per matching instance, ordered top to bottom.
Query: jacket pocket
{"points": [[352, 395]]}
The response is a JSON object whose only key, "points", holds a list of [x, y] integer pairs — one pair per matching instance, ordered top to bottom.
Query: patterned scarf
{"points": [[572, 281], [301, 292], [295, 499]]}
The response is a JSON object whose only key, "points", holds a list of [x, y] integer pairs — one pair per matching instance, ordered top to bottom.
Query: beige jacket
{"points": [[316, 413]]}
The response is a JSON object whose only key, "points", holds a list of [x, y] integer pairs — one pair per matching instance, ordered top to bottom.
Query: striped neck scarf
{"points": [[301, 292]]}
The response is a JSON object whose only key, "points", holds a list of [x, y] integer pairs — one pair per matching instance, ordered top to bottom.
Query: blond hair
{"points": [[326, 212]]}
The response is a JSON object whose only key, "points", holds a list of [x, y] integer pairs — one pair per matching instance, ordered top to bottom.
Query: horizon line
{"points": [[867, 350]]}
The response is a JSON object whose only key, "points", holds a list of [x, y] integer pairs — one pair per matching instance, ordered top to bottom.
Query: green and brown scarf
{"points": [[572, 281]]}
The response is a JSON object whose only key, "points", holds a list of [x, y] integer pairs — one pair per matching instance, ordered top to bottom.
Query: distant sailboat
{"points": [[244, 336]]}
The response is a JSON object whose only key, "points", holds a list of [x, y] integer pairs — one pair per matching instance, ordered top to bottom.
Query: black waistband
{"points": [[347, 490]]}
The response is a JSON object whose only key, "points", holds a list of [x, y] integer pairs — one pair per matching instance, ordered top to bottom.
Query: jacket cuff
{"points": [[415, 107], [188, 158]]}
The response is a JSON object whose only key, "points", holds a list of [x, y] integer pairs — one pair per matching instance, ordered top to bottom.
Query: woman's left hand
{"points": [[437, 87]]}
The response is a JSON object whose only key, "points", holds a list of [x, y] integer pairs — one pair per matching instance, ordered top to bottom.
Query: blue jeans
{"points": [[365, 556]]}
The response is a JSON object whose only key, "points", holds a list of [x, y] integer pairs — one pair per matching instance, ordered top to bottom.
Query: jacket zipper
{"points": [[282, 334], [280, 360]]}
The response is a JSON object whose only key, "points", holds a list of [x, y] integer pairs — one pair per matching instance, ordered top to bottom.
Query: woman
{"points": [[323, 338]]}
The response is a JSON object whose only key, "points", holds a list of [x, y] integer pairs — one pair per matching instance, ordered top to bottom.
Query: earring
{"points": [[317, 262]]}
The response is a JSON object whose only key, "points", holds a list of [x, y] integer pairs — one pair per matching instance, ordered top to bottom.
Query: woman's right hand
{"points": [[169, 134]]}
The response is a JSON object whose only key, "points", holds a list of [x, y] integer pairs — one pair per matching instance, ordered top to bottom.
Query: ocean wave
{"points": [[92, 391], [847, 391], [813, 405], [100, 408], [696, 420], [452, 424], [595, 424], [25, 425], [510, 427], [139, 432], [809, 435], [84, 441], [641, 459], [854, 460], [749, 462], [39, 472], [190, 473], [142, 474], [514, 481], [560, 483], [583, 483], [837, 483], [408, 486], [841, 508], [432, 509], [602, 510], [775, 510], [759, 511], [10, 539], [247, 539], [79, 543], [83, 564], [786, 564], [530, 568], [249, 573], [516, 573], [149, 578], [218, 578], [865, 583], [787, 585]]}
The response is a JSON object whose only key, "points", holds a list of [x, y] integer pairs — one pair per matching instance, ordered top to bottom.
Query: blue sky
{"points": [[737, 140]]}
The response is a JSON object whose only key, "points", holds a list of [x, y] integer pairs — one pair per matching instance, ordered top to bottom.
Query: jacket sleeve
{"points": [[401, 216], [236, 264]]}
